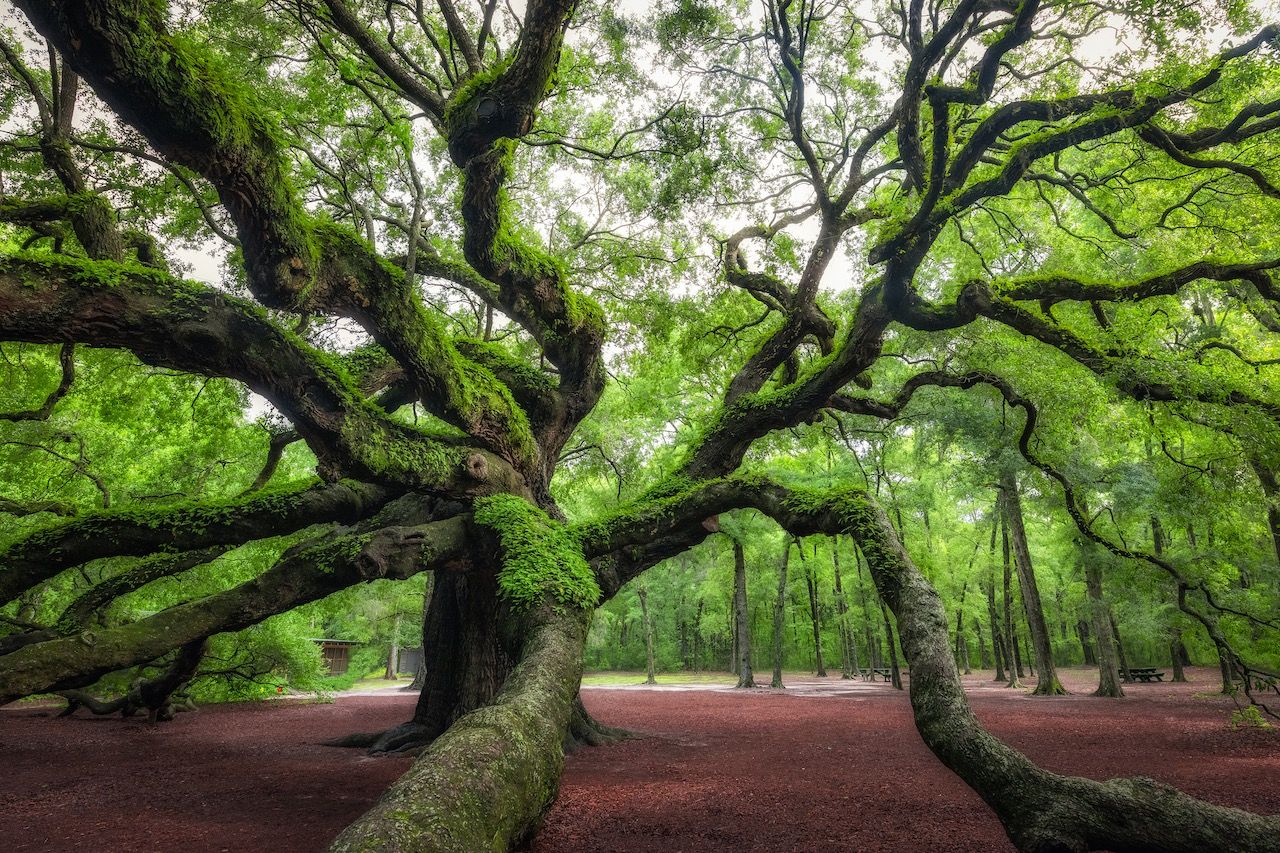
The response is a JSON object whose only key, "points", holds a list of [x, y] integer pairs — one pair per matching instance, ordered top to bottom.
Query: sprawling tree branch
{"points": [[305, 573]]}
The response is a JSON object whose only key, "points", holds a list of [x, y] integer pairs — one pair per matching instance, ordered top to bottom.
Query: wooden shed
{"points": [[337, 654]]}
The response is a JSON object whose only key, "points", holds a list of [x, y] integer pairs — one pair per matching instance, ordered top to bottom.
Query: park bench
{"points": [[884, 673], [1145, 674]]}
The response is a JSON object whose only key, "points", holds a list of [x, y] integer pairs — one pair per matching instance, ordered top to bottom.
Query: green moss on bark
{"points": [[539, 555]]}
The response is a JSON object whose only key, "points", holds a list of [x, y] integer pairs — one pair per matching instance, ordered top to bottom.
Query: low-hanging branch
{"points": [[43, 554], [305, 573]]}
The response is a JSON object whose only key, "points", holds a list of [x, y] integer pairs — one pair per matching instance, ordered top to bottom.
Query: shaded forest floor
{"points": [[827, 765]]}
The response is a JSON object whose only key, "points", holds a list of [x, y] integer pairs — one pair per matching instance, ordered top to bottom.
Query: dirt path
{"points": [[718, 770]]}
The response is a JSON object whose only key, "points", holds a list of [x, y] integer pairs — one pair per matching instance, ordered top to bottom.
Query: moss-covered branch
{"points": [[195, 113], [483, 118], [194, 328], [136, 532], [305, 573], [1041, 811]]}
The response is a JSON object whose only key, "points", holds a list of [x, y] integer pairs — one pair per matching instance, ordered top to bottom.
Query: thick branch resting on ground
{"points": [[484, 783], [1041, 811]]}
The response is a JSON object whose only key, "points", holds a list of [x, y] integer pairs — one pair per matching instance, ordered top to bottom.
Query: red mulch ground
{"points": [[715, 771]]}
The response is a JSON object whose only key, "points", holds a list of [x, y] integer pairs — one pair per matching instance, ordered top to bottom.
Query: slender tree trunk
{"points": [[811, 581], [779, 615], [648, 635], [697, 636], [1086, 640], [872, 641], [848, 642], [1174, 642], [962, 645], [996, 652], [1012, 657], [1124, 660], [392, 662], [1226, 669], [894, 672], [745, 677], [1108, 681], [1047, 683]]}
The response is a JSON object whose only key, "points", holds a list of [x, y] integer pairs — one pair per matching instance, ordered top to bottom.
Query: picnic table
{"points": [[883, 672], [1145, 674]]}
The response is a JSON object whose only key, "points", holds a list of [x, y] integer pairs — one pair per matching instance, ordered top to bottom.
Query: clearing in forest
{"points": [[715, 769]]}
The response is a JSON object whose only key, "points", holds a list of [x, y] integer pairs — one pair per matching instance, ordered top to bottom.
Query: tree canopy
{"points": [[297, 295]]}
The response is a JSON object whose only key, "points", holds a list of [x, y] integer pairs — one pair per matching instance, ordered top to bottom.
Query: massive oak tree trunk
{"points": [[468, 653], [1047, 683], [484, 783]]}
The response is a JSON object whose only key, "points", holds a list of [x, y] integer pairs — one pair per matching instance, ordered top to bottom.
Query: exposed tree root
{"points": [[586, 730], [405, 739]]}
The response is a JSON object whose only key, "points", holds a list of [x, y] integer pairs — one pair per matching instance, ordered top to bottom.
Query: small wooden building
{"points": [[337, 654]]}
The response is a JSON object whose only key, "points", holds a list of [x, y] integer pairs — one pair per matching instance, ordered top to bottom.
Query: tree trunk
{"points": [[1270, 490], [811, 581], [779, 615], [741, 625], [648, 635], [697, 636], [1010, 639], [1086, 641], [848, 642], [962, 645], [996, 651], [1175, 656], [469, 659], [1124, 660], [392, 664], [894, 672], [420, 676], [1108, 682], [1047, 683], [485, 783]]}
